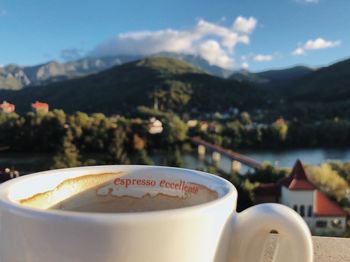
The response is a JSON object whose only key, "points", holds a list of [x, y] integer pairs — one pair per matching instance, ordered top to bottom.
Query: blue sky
{"points": [[255, 34]]}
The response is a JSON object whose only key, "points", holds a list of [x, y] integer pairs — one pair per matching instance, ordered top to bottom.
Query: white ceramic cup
{"points": [[211, 231]]}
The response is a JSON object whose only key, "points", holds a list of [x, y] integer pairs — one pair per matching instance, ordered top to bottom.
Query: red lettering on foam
{"points": [[117, 181], [126, 182], [182, 183], [168, 185], [173, 185], [185, 188]]}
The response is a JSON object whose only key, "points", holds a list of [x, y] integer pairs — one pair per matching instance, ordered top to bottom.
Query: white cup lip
{"points": [[5, 202]]}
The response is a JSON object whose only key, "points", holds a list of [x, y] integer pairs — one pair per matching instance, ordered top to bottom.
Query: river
{"points": [[281, 158]]}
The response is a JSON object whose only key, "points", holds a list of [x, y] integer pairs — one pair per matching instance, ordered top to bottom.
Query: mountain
{"points": [[200, 63], [55, 71], [287, 74], [13, 77], [247, 77], [273, 78], [328, 84], [175, 85]]}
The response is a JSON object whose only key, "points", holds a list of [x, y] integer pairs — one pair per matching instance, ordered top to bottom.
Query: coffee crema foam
{"points": [[68, 189], [105, 193]]}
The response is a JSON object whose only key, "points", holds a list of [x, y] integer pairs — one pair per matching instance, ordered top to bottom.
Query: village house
{"points": [[7, 107], [39, 107], [192, 123], [155, 126], [203, 126], [322, 215]]}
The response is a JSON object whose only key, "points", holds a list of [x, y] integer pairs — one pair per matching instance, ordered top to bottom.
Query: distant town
{"points": [[163, 138]]}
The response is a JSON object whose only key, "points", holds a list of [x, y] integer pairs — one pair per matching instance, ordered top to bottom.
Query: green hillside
{"points": [[287, 74], [248, 77], [272, 79], [174, 84], [328, 84]]}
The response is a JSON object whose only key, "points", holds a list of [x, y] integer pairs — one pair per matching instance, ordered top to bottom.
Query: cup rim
{"points": [[7, 203]]}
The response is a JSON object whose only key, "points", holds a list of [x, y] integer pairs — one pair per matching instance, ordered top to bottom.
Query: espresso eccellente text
{"points": [[174, 185]]}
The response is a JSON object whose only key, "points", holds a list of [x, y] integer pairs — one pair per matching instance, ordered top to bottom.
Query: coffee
{"points": [[116, 192]]}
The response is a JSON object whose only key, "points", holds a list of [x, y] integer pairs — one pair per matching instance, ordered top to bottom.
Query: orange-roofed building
{"points": [[7, 107], [40, 107], [296, 191]]}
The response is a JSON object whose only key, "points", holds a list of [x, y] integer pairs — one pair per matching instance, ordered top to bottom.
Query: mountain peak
{"points": [[198, 62], [167, 65], [274, 77], [123, 88]]}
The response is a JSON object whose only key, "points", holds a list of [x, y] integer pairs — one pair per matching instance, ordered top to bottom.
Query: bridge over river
{"points": [[217, 151]]}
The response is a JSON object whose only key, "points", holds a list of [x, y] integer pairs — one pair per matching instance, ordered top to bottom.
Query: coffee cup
{"points": [[140, 213]]}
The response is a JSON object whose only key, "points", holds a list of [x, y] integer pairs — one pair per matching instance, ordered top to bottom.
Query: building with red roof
{"points": [[7, 107], [40, 107], [298, 192]]}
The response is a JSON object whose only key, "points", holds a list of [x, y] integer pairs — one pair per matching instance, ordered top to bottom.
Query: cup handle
{"points": [[252, 227]]}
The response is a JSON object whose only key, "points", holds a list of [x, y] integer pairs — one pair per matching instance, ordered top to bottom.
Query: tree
{"points": [[179, 94], [160, 98], [245, 118], [77, 122], [280, 129], [11, 130], [51, 130], [175, 130], [234, 130], [94, 137], [116, 150], [68, 154], [142, 158], [174, 158], [343, 169], [213, 170], [267, 174], [234, 178], [328, 180], [246, 195]]}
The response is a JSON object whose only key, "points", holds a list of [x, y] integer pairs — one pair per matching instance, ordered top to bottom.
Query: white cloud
{"points": [[308, 1], [245, 25], [215, 42], [318, 43], [298, 51], [212, 52], [70, 54], [257, 58], [262, 58], [245, 66]]}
